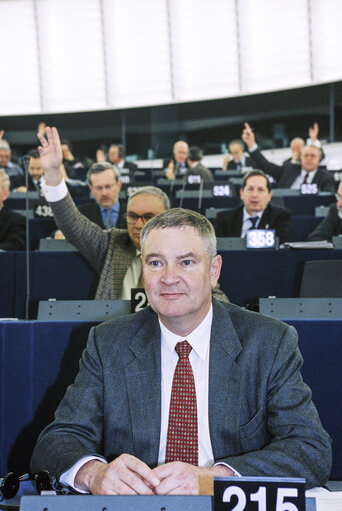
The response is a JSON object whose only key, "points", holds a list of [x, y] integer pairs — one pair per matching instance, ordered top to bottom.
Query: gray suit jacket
{"points": [[261, 418]]}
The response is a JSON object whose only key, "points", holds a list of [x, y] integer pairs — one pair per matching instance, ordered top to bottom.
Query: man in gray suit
{"points": [[253, 412]]}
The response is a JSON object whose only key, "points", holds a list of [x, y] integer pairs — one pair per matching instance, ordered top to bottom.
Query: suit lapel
{"points": [[143, 379], [224, 383]]}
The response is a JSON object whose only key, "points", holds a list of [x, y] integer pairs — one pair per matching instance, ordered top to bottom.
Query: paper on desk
{"points": [[326, 500], [331, 501]]}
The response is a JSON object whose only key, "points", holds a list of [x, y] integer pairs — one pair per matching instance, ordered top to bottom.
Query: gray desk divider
{"points": [[194, 194], [337, 241], [231, 243], [237, 244], [51, 245], [301, 308], [82, 310], [116, 503]]}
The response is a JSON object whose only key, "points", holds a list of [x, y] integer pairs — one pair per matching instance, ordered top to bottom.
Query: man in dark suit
{"points": [[116, 156], [237, 160], [195, 166], [35, 175], [292, 175], [256, 195], [12, 225], [331, 225], [123, 427]]}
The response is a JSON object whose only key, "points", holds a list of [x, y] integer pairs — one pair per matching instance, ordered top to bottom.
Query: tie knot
{"points": [[253, 220], [183, 349]]}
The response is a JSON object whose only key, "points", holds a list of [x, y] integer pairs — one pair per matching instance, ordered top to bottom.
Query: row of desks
{"points": [[246, 276], [38, 360]]}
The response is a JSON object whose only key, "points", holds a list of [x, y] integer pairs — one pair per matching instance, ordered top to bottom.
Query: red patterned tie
{"points": [[182, 433]]}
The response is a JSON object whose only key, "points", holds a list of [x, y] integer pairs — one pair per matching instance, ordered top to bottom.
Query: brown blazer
{"points": [[110, 251]]}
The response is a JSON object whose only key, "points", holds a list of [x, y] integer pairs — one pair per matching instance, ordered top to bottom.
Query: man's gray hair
{"points": [[238, 142], [4, 145], [96, 168], [4, 180], [152, 190], [179, 217]]}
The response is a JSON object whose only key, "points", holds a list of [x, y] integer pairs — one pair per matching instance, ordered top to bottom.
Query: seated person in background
{"points": [[297, 144], [116, 156], [237, 159], [177, 164], [195, 166], [74, 167], [11, 169], [35, 175], [292, 175], [106, 211], [256, 212], [12, 225], [331, 225], [114, 253], [122, 428]]}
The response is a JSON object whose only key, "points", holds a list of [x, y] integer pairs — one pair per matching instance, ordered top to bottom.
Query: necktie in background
{"points": [[305, 180], [108, 219], [254, 220], [182, 433]]}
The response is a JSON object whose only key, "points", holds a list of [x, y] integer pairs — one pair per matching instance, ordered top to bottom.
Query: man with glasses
{"points": [[332, 223], [114, 253]]}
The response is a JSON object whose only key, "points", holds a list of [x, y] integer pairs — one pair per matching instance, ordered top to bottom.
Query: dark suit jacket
{"points": [[249, 163], [132, 167], [200, 170], [286, 174], [17, 181], [93, 211], [229, 223], [330, 226], [12, 230], [261, 418]]}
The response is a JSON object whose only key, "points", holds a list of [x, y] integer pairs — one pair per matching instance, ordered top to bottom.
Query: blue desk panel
{"points": [[7, 284], [38, 360]]}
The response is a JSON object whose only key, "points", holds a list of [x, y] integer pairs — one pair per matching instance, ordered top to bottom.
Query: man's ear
{"points": [[119, 185], [215, 270]]}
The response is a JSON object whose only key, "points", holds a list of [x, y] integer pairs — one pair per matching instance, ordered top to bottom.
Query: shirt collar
{"points": [[311, 174], [115, 207], [247, 216], [199, 339]]}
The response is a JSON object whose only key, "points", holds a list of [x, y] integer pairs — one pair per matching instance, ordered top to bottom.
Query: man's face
{"points": [[180, 151], [236, 151], [113, 155], [5, 157], [310, 158], [35, 168], [105, 188], [4, 193], [255, 195], [339, 200], [142, 204], [179, 277]]}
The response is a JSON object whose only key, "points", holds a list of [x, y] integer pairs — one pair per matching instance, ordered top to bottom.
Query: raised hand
{"points": [[313, 131], [2, 132], [248, 136], [51, 156]]}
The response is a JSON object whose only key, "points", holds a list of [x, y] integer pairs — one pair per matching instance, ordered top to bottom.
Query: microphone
{"points": [[26, 161]]}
